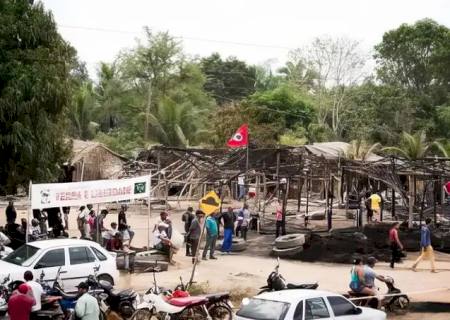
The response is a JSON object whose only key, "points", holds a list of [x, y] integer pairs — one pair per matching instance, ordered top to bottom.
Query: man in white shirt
{"points": [[241, 185], [36, 288], [87, 306]]}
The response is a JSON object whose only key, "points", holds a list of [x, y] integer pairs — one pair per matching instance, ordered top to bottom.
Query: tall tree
{"points": [[417, 57], [336, 64], [35, 66], [228, 80]]}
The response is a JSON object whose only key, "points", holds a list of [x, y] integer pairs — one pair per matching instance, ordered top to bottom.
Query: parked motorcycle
{"points": [[276, 282], [4, 295], [394, 301], [123, 302], [177, 305], [219, 305]]}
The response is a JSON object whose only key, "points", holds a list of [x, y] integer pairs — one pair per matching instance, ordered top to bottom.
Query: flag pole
{"points": [[246, 162]]}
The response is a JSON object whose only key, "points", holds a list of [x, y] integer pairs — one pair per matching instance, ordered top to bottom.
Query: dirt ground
{"points": [[244, 273]]}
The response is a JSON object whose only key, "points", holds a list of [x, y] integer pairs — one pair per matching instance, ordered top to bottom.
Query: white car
{"points": [[77, 259], [304, 305]]}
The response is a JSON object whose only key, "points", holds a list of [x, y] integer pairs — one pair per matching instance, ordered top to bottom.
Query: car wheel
{"points": [[106, 277]]}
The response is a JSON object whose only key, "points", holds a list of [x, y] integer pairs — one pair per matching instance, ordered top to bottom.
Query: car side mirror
{"points": [[39, 265], [358, 310]]}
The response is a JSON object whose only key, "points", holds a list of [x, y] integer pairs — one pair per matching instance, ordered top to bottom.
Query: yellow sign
{"points": [[210, 203]]}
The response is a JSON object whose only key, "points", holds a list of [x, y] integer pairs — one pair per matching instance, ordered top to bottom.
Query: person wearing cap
{"points": [[195, 231], [370, 276], [21, 303], [87, 306]]}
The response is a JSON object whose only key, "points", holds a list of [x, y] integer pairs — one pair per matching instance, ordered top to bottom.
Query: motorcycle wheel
{"points": [[400, 305], [220, 311], [194, 313], [143, 314]]}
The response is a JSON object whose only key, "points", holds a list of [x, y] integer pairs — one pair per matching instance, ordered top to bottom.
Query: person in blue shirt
{"points": [[211, 237], [425, 246]]}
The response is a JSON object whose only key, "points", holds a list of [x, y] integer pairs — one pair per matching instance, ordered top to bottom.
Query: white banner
{"points": [[49, 195]]}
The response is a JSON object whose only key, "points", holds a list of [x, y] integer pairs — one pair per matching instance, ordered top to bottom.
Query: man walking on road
{"points": [[187, 218], [228, 230], [211, 237], [425, 244], [396, 245]]}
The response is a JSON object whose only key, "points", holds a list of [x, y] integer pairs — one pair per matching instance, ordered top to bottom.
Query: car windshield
{"points": [[21, 255], [260, 309]]}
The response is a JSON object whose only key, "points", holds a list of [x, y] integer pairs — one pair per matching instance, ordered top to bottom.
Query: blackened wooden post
{"points": [[278, 173], [299, 186], [308, 186], [393, 192], [330, 210]]}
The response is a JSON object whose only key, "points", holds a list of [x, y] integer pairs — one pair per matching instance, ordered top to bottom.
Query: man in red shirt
{"points": [[447, 191], [396, 245], [20, 303]]}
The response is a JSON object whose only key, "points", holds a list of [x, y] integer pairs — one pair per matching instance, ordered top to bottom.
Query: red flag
{"points": [[240, 138]]}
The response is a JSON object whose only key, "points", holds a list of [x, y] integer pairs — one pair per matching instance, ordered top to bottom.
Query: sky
{"points": [[256, 31]]}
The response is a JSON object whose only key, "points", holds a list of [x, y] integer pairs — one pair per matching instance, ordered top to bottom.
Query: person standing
{"points": [[241, 187], [447, 191], [375, 205], [66, 211], [11, 214], [187, 218], [279, 219], [82, 220], [243, 220], [123, 226], [228, 230], [195, 231], [211, 237], [395, 244], [425, 245], [36, 289], [21, 303], [87, 306]]}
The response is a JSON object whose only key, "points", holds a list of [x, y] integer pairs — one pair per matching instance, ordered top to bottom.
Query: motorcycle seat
{"points": [[106, 285], [302, 286], [127, 293], [357, 294], [217, 296], [187, 301]]}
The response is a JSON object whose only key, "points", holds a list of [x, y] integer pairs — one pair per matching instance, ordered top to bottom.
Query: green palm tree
{"points": [[80, 113], [173, 124], [415, 146], [360, 150]]}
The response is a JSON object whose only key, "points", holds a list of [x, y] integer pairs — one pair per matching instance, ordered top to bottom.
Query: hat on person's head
{"points": [[82, 285], [23, 288]]}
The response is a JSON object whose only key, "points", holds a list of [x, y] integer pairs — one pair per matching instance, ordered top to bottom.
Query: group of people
{"points": [[233, 224], [362, 277], [26, 301]]}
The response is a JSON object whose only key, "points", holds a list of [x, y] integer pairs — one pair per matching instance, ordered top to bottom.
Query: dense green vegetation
{"points": [[154, 93]]}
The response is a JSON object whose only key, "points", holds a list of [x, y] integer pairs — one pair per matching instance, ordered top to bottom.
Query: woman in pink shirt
{"points": [[279, 219]]}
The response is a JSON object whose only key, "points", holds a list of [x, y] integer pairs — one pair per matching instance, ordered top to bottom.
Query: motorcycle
{"points": [[276, 282], [4, 295], [394, 301], [123, 302], [167, 305], [219, 305]]}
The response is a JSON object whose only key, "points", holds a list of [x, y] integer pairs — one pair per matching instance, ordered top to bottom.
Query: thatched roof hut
{"points": [[94, 161]]}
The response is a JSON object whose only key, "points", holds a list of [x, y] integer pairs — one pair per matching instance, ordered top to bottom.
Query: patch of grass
{"points": [[199, 288], [237, 294]]}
